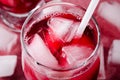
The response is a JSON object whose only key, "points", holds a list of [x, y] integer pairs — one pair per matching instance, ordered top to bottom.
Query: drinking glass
{"points": [[14, 12], [52, 51]]}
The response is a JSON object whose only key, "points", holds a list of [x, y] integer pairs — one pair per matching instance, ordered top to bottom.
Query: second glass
{"points": [[14, 12], [49, 53]]}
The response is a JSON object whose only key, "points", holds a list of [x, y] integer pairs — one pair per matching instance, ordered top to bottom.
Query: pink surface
{"points": [[109, 32]]}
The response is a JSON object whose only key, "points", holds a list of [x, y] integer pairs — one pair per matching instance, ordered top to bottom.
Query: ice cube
{"points": [[110, 12], [60, 26], [72, 31], [8, 39], [39, 51], [114, 52], [76, 53], [7, 65]]}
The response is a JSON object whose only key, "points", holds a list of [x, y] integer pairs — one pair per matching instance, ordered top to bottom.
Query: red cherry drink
{"points": [[18, 6], [14, 12], [51, 54]]}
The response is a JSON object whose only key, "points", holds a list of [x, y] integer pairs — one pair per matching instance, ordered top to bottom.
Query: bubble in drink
{"points": [[52, 10]]}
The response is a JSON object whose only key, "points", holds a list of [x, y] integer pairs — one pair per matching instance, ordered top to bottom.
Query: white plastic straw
{"points": [[88, 14]]}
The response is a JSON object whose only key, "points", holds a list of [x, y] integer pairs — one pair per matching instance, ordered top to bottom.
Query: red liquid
{"points": [[18, 6], [56, 45]]}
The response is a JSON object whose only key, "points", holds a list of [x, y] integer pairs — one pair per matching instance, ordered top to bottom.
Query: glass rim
{"points": [[93, 53]]}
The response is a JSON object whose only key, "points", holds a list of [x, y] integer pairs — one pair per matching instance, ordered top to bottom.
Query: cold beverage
{"points": [[18, 6], [14, 12], [49, 53]]}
